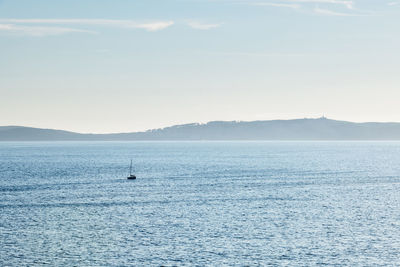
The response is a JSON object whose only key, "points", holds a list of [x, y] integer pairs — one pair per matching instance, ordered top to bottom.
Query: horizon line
{"points": [[195, 123]]}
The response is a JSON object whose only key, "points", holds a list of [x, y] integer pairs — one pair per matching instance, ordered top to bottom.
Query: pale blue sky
{"points": [[128, 65]]}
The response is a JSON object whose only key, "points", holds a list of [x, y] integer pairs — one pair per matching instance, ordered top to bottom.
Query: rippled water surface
{"points": [[200, 203]]}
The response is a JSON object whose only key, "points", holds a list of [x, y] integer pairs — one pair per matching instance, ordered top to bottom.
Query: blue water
{"points": [[200, 203]]}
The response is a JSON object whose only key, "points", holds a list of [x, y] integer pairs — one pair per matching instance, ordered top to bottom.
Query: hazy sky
{"points": [[128, 65]]}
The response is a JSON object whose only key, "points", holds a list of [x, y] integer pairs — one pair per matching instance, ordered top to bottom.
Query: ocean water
{"points": [[200, 204]]}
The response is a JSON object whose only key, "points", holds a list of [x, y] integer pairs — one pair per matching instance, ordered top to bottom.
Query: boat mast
{"points": [[130, 169]]}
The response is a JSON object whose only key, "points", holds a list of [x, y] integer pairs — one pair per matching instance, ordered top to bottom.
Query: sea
{"points": [[200, 204]]}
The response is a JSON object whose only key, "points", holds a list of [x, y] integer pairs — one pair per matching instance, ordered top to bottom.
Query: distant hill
{"points": [[298, 129]]}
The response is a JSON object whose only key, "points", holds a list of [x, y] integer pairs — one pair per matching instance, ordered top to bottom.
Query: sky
{"points": [[104, 66]]}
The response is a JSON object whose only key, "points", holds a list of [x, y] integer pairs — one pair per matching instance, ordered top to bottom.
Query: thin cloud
{"points": [[292, 3], [393, 3], [347, 4], [294, 6], [328, 12], [151, 26], [155, 26], [202, 26], [39, 30], [256, 55]]}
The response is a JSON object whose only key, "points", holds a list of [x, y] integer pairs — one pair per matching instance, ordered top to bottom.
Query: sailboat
{"points": [[131, 176]]}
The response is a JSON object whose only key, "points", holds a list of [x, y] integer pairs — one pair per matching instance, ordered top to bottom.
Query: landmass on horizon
{"points": [[296, 129]]}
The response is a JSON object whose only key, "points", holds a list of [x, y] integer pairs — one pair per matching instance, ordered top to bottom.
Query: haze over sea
{"points": [[200, 203]]}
